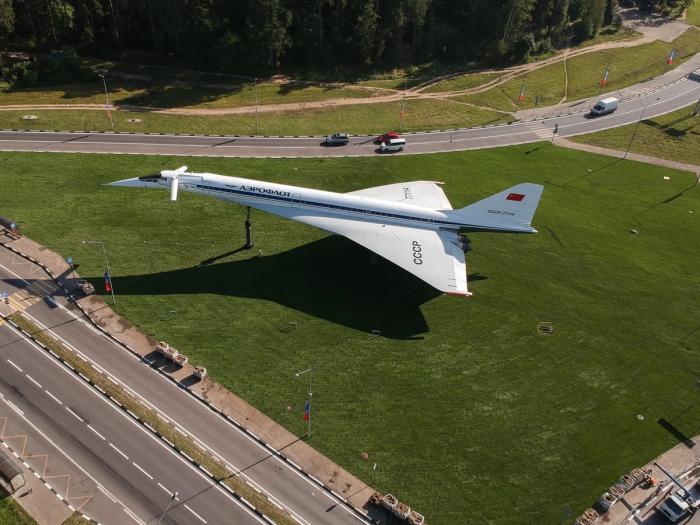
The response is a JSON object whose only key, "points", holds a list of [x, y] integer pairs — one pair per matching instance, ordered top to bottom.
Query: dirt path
{"points": [[647, 159]]}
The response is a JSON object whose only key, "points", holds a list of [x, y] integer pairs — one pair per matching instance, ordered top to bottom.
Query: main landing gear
{"points": [[248, 236]]}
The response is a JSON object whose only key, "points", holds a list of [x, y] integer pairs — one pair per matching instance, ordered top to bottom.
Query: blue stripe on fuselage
{"points": [[291, 200]]}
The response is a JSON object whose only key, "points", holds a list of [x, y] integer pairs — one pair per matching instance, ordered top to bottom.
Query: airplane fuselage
{"points": [[267, 195]]}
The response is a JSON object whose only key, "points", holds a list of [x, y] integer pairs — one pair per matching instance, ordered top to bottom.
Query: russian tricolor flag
{"points": [[671, 56], [605, 78], [521, 97], [108, 282], [307, 410]]}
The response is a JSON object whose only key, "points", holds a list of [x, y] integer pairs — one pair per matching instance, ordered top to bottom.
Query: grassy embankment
{"points": [[693, 14], [627, 66], [360, 119], [675, 136], [460, 402], [12, 513]]}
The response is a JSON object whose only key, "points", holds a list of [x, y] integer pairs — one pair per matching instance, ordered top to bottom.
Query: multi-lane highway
{"points": [[574, 121], [126, 459], [133, 473]]}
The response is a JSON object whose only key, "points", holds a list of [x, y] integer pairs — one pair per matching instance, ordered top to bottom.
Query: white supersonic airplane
{"points": [[411, 224]]}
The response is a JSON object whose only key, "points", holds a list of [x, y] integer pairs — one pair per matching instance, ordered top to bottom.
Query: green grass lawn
{"points": [[693, 14], [628, 66], [462, 82], [168, 95], [357, 119], [675, 136], [461, 403], [12, 513]]}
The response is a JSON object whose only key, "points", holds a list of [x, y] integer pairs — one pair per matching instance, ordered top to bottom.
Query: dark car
{"points": [[386, 137], [337, 139]]}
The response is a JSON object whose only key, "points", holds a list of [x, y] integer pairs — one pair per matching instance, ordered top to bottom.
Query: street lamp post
{"points": [[102, 74], [255, 88], [634, 133], [107, 266], [308, 417], [172, 498]]}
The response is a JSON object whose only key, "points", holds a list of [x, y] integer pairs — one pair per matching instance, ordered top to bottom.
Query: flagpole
{"points": [[107, 266], [308, 400]]}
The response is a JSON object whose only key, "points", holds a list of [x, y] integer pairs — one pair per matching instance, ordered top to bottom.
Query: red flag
{"points": [[671, 56], [604, 82], [521, 97], [515, 197], [108, 282], [307, 410]]}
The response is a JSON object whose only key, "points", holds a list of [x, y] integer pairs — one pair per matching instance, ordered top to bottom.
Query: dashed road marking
{"points": [[13, 364], [33, 380], [53, 397], [75, 415], [96, 432], [120, 452], [144, 472], [171, 494], [195, 514]]}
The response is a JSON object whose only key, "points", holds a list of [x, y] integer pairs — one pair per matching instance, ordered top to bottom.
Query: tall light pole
{"points": [[102, 74], [255, 88], [634, 133], [108, 268], [307, 408], [172, 498]]}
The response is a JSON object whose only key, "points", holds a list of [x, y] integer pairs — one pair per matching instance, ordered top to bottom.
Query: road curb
{"points": [[356, 510]]}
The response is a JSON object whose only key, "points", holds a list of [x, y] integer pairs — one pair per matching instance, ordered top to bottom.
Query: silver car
{"points": [[337, 139]]}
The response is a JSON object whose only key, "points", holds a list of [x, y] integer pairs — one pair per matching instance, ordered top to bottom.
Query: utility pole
{"points": [[102, 74], [256, 104], [108, 268], [307, 408], [172, 498]]}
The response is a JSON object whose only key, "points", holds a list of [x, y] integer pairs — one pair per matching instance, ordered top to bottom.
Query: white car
{"points": [[674, 507]]}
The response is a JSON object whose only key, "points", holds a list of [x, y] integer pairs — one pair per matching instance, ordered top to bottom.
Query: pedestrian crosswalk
{"points": [[539, 129]]}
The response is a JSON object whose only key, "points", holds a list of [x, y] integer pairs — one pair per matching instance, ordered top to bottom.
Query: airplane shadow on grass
{"points": [[332, 279]]}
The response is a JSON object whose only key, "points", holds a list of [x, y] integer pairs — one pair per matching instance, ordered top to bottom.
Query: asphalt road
{"points": [[669, 98], [134, 467], [307, 502]]}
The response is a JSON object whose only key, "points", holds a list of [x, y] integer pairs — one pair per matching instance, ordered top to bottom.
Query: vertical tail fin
{"points": [[511, 210]]}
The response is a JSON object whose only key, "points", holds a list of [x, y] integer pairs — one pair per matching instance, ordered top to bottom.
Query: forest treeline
{"points": [[256, 36]]}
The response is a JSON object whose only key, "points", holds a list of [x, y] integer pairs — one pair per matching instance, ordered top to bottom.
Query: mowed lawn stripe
{"points": [[460, 402]]}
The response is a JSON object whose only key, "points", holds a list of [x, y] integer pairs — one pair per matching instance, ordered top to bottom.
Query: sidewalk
{"points": [[643, 88], [647, 159], [332, 476], [41, 503], [639, 504]]}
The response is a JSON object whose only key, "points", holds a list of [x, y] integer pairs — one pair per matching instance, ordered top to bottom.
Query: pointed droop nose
{"points": [[130, 183]]}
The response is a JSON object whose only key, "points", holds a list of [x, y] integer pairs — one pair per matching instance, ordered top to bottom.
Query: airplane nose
{"points": [[129, 183]]}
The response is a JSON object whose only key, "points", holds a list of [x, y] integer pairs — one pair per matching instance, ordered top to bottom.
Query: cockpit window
{"points": [[151, 178]]}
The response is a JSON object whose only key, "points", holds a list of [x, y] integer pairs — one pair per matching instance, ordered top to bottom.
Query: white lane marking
{"points": [[13, 364], [33, 380], [54, 398], [14, 407], [75, 415], [96, 432], [191, 435], [49, 440], [120, 452], [144, 472], [106, 493], [171, 494], [195, 514], [132, 515]]}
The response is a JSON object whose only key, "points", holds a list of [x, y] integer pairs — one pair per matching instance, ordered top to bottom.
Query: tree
{"points": [[366, 31]]}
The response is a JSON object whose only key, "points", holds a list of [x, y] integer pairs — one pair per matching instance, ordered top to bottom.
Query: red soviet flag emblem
{"points": [[515, 197]]}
